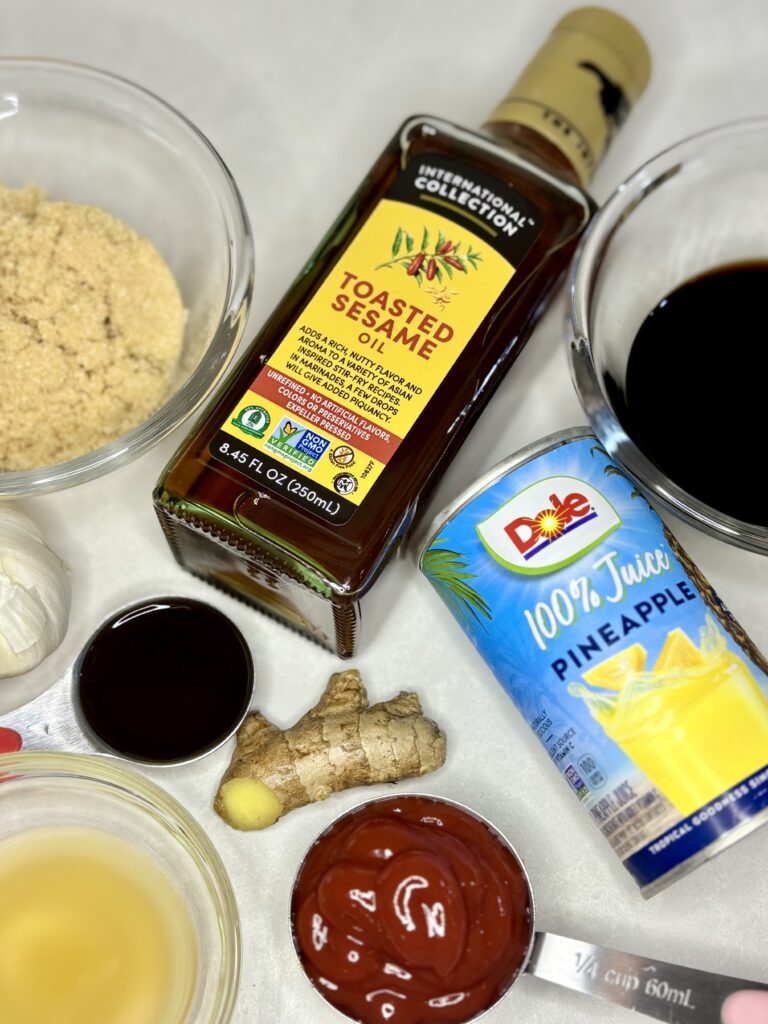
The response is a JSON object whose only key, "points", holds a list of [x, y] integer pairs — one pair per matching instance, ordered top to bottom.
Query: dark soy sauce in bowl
{"points": [[695, 392], [164, 681]]}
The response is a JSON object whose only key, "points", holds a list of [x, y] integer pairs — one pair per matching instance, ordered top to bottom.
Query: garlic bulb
{"points": [[34, 595]]}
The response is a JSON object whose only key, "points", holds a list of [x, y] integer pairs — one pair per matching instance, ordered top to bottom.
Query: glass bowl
{"points": [[90, 137], [700, 205], [72, 791]]}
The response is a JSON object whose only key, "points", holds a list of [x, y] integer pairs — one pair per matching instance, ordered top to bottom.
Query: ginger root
{"points": [[339, 743]]}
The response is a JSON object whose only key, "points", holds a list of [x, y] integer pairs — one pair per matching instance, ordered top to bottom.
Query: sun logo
{"points": [[550, 523]]}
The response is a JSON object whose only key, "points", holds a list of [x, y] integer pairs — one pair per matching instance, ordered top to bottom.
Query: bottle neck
{"points": [[574, 94], [537, 148]]}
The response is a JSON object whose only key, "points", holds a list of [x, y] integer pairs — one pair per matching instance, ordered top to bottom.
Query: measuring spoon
{"points": [[162, 682], [667, 992]]}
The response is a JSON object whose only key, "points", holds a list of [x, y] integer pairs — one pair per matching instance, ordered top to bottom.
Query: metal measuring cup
{"points": [[56, 720], [663, 991]]}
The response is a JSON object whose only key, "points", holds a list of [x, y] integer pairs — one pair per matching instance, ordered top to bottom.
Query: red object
{"points": [[456, 264], [415, 265], [272, 385], [10, 741], [411, 910]]}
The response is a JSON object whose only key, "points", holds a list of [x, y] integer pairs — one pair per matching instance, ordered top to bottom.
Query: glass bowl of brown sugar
{"points": [[126, 271]]}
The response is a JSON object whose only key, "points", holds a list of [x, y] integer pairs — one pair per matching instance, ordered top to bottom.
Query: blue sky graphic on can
{"points": [[649, 698]]}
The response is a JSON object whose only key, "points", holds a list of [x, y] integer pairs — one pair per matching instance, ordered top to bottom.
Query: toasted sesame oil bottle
{"points": [[311, 464]]}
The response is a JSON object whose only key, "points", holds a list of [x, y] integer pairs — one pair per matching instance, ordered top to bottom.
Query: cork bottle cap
{"points": [[618, 34], [580, 86]]}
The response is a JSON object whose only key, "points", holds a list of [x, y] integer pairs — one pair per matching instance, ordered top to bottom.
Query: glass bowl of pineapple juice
{"points": [[114, 906]]}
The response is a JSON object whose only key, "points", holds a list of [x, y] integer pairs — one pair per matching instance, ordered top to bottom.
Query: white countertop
{"points": [[299, 98]]}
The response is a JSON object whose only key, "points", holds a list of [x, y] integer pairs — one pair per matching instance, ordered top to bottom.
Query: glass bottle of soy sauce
{"points": [[320, 449]]}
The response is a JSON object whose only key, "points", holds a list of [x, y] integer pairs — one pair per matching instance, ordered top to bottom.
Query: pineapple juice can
{"points": [[648, 696]]}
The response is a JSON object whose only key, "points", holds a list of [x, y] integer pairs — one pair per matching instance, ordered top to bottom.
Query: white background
{"points": [[299, 98]]}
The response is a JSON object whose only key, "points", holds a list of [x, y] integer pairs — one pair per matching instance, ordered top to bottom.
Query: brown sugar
{"points": [[91, 327]]}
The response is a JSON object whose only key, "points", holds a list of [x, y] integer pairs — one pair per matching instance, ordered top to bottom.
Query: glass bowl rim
{"points": [[220, 350], [651, 480], [187, 832]]}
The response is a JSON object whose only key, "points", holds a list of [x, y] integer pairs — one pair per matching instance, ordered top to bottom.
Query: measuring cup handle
{"points": [[47, 723], [664, 991]]}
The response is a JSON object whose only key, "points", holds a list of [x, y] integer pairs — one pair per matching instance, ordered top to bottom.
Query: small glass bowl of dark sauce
{"points": [[669, 291], [164, 682]]}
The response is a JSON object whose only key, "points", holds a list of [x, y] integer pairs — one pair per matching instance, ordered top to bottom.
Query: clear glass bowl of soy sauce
{"points": [[668, 318]]}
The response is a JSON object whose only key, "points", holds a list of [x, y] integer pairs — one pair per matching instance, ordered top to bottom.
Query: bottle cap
{"points": [[580, 86]]}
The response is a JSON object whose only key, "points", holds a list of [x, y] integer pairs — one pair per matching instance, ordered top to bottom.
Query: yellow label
{"points": [[361, 362]]}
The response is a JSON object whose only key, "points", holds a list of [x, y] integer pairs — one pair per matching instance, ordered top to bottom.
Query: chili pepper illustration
{"points": [[433, 260], [456, 264], [415, 265]]}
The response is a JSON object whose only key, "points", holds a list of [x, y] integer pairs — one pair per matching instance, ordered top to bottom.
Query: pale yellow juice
{"points": [[697, 724], [92, 931]]}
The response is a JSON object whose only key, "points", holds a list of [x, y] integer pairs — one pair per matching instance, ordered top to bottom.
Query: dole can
{"points": [[648, 696]]}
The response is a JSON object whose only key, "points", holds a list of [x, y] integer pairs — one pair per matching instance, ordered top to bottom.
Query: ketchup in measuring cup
{"points": [[409, 910]]}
